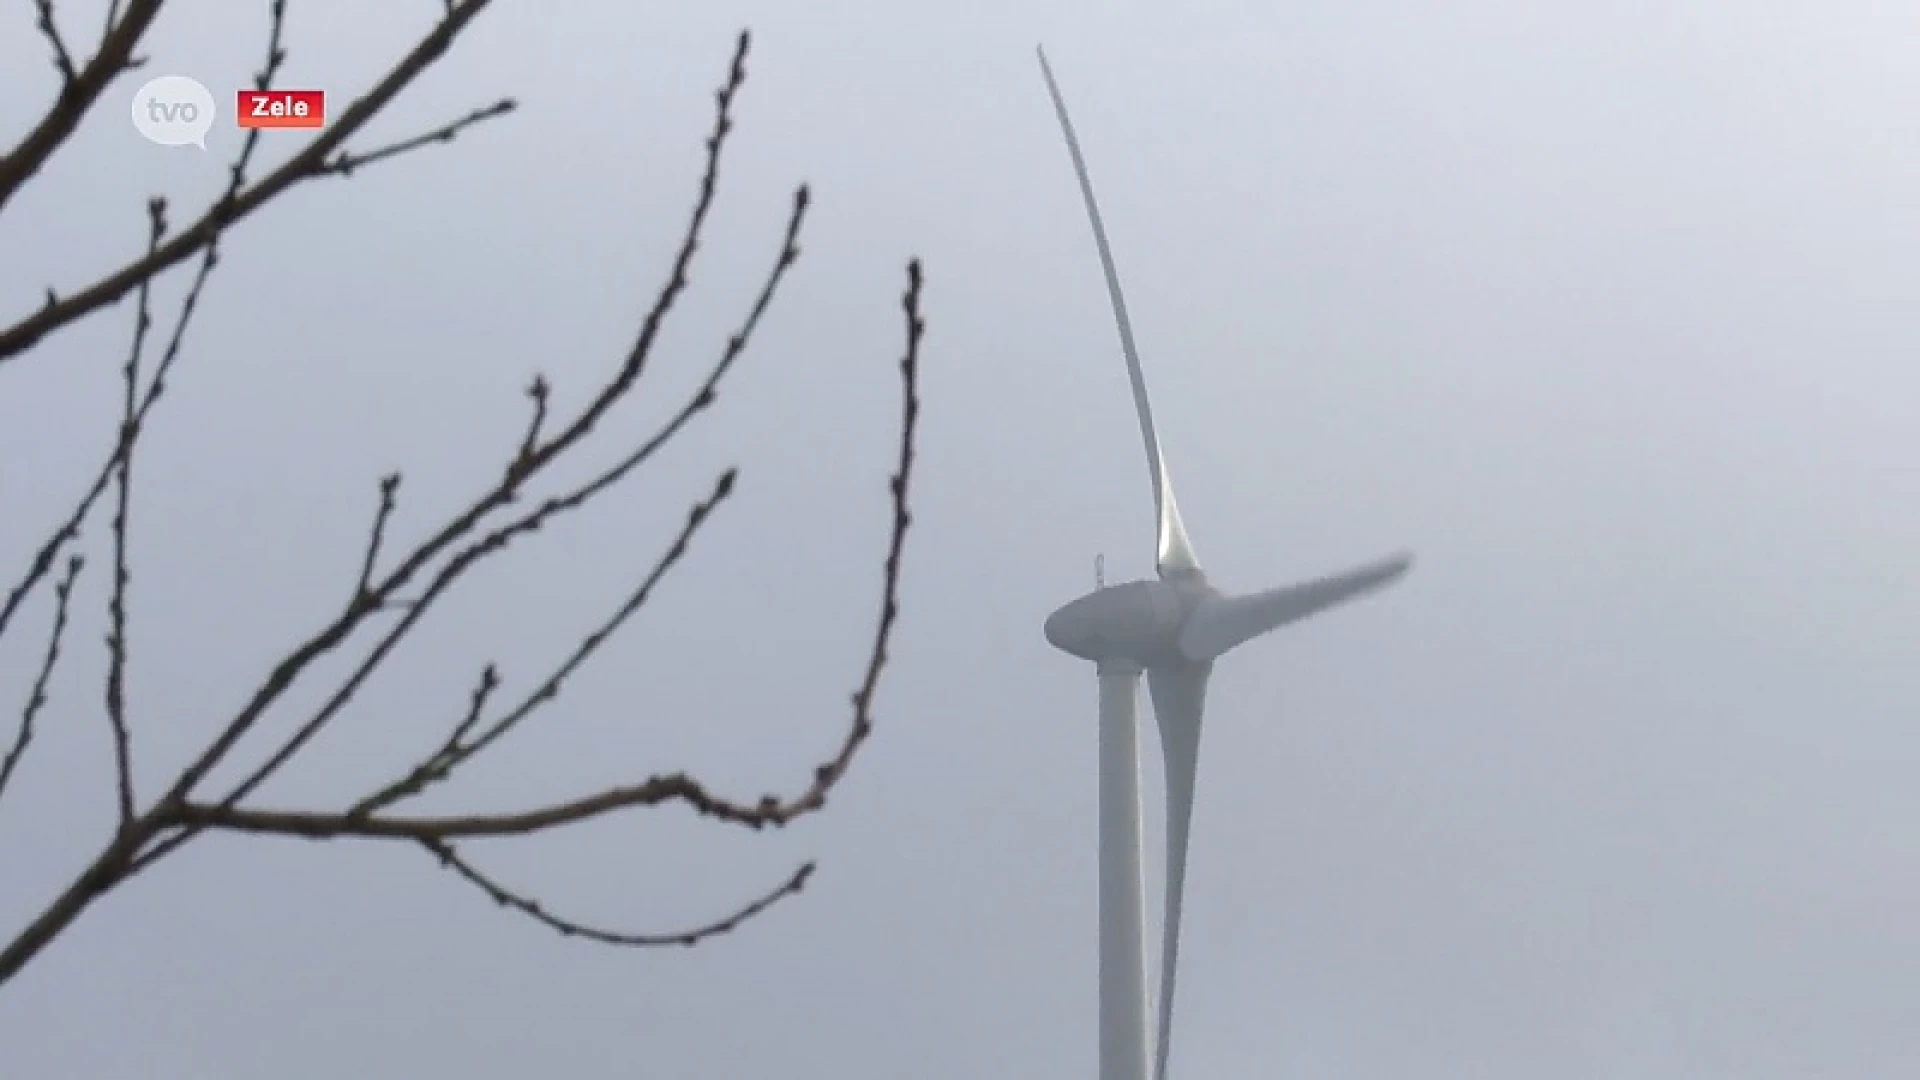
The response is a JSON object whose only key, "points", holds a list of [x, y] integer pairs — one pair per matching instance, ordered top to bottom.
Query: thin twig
{"points": [[113, 13], [62, 59], [262, 80], [344, 163], [226, 211], [189, 305], [538, 392], [389, 498], [902, 518], [62, 535], [117, 598], [37, 697], [458, 750], [437, 765], [534, 910]]}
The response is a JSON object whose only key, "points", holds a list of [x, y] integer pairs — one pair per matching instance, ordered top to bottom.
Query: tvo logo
{"points": [[173, 110]]}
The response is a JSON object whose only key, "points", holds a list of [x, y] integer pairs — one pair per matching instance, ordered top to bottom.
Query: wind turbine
{"points": [[1172, 629]]}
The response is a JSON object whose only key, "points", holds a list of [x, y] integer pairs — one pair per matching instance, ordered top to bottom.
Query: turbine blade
{"points": [[1172, 550], [1222, 622], [1179, 697]]}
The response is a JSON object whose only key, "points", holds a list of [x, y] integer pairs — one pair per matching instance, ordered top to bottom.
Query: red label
{"points": [[282, 108]]}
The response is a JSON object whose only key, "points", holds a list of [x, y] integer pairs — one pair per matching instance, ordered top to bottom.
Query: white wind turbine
{"points": [[1172, 629]]}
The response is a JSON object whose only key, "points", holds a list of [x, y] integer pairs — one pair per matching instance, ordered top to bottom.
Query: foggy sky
{"points": [[1606, 311]]}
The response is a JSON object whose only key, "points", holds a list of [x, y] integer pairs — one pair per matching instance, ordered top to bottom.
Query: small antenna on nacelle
{"points": [[1100, 571]]}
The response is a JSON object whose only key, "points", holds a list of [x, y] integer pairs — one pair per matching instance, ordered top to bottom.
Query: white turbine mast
{"points": [[1171, 630]]}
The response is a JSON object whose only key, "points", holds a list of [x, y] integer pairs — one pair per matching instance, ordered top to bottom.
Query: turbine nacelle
{"points": [[1136, 624]]}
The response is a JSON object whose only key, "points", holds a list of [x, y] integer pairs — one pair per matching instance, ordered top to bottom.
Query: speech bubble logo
{"points": [[173, 110]]}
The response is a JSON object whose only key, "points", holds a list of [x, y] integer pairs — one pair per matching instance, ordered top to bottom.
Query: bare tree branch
{"points": [[77, 95], [226, 211], [154, 263], [502, 493], [482, 529], [37, 698], [328, 824], [437, 832], [115, 863], [534, 910]]}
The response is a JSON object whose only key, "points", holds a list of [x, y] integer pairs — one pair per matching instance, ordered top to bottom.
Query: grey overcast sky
{"points": [[1606, 310]]}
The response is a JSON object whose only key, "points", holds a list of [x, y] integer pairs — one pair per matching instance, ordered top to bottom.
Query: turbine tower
{"points": [[1171, 629]]}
